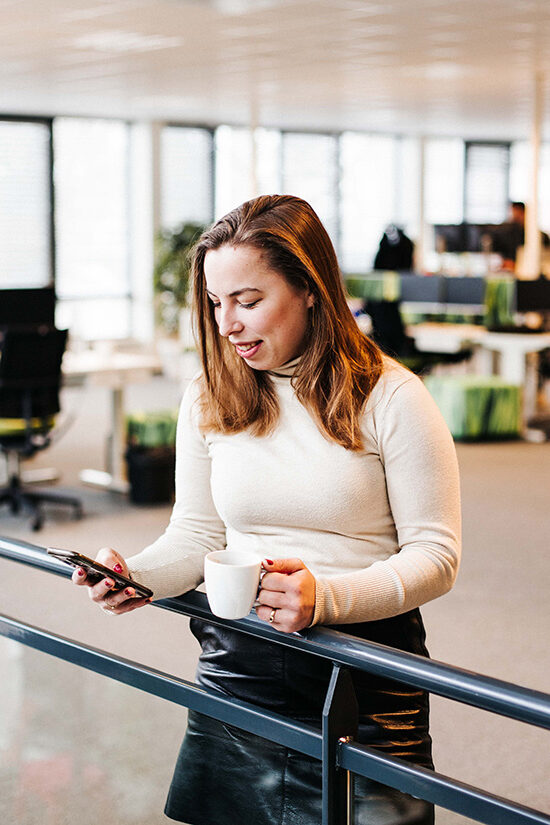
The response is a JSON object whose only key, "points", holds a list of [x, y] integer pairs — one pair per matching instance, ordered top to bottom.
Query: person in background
{"points": [[510, 236], [299, 441]]}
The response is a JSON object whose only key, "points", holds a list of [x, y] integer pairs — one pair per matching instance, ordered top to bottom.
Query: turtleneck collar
{"points": [[286, 370]]}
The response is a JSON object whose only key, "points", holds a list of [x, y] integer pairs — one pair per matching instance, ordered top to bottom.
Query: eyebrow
{"points": [[236, 292]]}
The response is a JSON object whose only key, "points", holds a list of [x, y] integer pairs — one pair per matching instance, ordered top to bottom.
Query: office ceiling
{"points": [[415, 66]]}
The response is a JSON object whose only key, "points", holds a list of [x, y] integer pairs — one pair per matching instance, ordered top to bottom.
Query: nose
{"points": [[227, 321]]}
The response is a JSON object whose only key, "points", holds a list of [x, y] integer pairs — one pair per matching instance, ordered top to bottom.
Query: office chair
{"points": [[388, 331], [30, 380]]}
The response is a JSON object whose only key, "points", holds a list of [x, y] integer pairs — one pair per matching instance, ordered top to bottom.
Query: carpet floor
{"points": [[77, 747]]}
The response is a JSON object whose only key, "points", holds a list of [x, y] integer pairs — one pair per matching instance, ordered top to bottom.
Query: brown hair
{"points": [[339, 367]]}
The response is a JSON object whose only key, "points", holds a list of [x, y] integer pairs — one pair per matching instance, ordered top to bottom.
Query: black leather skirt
{"points": [[225, 776]]}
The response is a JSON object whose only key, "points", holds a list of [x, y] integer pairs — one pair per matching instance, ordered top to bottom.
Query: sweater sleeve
{"points": [[423, 490], [174, 563]]}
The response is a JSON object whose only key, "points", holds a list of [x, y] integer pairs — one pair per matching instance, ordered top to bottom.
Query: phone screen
{"points": [[96, 571]]}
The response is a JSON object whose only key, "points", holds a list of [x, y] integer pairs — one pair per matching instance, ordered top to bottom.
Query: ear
{"points": [[310, 300]]}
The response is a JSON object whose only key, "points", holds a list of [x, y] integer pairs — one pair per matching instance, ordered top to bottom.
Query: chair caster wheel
{"points": [[37, 522]]}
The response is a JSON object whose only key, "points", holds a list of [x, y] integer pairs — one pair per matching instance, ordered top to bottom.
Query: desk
{"points": [[441, 337], [518, 362], [112, 370]]}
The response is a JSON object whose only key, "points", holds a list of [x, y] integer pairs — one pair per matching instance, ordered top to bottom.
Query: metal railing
{"points": [[334, 744]]}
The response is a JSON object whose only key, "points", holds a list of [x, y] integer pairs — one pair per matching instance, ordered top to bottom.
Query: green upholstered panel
{"points": [[383, 286], [386, 286], [499, 301], [477, 407]]}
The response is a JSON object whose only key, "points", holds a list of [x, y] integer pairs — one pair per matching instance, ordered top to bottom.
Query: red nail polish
{"points": [[269, 561], [117, 568], [80, 572], [109, 583], [129, 592]]}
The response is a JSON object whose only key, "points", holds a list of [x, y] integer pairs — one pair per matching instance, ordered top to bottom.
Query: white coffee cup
{"points": [[232, 578]]}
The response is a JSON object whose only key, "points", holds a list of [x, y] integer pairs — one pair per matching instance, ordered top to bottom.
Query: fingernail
{"points": [[269, 561], [117, 568], [80, 572], [109, 583], [129, 592], [149, 600]]}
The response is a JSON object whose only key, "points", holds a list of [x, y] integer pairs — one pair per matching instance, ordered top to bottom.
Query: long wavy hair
{"points": [[339, 366]]}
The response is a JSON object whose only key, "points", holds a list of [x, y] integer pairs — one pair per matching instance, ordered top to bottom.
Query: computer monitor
{"points": [[463, 237], [450, 238], [533, 296], [27, 306]]}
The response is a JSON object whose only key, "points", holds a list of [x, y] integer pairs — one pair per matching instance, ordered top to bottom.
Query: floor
{"points": [[76, 747]]}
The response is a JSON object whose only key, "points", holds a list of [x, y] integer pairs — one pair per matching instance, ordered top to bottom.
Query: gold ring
{"points": [[272, 615]]}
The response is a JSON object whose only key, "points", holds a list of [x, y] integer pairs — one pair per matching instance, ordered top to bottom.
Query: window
{"points": [[268, 161], [247, 164], [234, 171], [310, 171], [520, 171], [520, 175], [186, 176], [444, 180], [358, 183], [408, 186], [544, 187], [486, 190], [368, 197], [25, 203], [92, 226]]}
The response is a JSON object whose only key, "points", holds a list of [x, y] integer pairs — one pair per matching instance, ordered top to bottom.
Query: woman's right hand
{"points": [[111, 601]]}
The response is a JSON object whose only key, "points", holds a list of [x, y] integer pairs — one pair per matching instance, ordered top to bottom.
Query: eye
{"points": [[215, 304], [249, 306]]}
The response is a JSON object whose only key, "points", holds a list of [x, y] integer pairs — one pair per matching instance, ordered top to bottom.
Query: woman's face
{"points": [[262, 315]]}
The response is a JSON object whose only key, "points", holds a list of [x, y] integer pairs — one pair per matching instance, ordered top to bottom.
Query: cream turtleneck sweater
{"points": [[379, 530]]}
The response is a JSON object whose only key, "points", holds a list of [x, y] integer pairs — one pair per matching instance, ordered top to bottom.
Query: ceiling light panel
{"points": [[93, 11], [120, 42], [327, 56]]}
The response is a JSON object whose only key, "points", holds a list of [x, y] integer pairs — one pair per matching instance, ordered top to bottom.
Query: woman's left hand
{"points": [[287, 595]]}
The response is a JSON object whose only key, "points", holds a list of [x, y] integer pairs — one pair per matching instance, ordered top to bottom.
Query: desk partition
{"points": [[423, 289], [468, 293], [493, 297]]}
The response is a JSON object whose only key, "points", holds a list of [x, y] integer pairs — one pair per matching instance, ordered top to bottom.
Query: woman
{"points": [[302, 442]]}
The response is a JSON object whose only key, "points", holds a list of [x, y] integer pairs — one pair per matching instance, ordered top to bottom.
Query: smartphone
{"points": [[96, 571]]}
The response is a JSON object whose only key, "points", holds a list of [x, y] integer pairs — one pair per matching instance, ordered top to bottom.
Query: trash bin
{"points": [[151, 474]]}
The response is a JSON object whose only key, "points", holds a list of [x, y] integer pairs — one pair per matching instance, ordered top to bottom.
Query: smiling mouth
{"points": [[247, 349]]}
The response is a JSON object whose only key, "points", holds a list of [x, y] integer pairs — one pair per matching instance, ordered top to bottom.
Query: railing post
{"points": [[340, 720]]}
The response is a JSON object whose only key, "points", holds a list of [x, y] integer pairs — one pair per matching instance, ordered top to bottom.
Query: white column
{"points": [[420, 249], [532, 252]]}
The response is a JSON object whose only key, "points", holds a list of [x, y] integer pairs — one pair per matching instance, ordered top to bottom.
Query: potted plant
{"points": [[171, 275], [150, 456]]}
